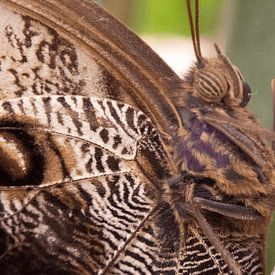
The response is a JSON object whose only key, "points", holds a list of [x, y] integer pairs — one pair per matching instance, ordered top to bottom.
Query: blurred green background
{"points": [[245, 28]]}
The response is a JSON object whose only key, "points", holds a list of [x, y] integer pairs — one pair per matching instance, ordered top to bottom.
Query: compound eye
{"points": [[246, 94]]}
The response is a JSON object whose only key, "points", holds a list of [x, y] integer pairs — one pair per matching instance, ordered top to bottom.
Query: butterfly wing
{"points": [[126, 67], [89, 168], [94, 195]]}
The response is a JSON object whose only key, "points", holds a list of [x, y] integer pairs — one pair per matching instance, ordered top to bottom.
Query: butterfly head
{"points": [[217, 80]]}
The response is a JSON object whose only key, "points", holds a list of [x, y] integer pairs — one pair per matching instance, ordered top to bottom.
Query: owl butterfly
{"points": [[112, 164]]}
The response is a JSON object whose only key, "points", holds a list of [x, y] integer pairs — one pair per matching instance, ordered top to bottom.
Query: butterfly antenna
{"points": [[195, 29], [273, 110]]}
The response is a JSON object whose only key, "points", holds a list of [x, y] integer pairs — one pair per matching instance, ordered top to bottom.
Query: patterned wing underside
{"points": [[89, 198], [91, 201]]}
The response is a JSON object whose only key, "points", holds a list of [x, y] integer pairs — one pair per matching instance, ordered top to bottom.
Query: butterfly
{"points": [[112, 164]]}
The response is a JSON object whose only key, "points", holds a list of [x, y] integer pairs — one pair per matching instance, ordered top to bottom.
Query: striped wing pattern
{"points": [[85, 216]]}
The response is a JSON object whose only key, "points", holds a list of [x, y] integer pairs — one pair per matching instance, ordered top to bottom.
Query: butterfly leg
{"points": [[188, 207], [229, 210], [216, 242]]}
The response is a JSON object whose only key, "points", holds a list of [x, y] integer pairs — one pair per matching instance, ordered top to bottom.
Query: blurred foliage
{"points": [[163, 16], [166, 16], [251, 47]]}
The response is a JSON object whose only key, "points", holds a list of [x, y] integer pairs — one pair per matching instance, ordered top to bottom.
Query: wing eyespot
{"points": [[27, 157]]}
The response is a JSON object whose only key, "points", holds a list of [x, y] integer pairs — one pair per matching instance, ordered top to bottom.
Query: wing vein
{"points": [[118, 253]]}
